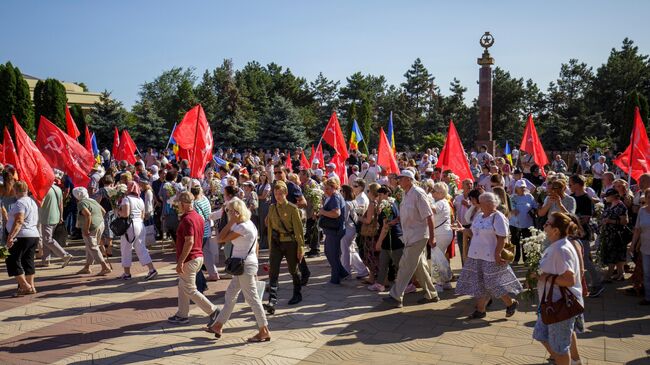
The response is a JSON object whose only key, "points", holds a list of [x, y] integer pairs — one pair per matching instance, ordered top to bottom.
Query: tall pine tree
{"points": [[49, 101]]}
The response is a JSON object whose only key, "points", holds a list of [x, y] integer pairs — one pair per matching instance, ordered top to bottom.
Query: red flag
{"points": [[70, 124], [194, 133], [334, 137], [88, 143], [116, 143], [531, 144], [8, 149], [126, 150], [638, 151], [64, 152], [2, 154], [183, 154], [385, 156], [452, 156], [311, 157], [320, 157], [287, 164], [304, 164], [32, 167], [340, 170]]}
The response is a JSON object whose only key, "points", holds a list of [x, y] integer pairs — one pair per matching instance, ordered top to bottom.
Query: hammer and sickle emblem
{"points": [[54, 143]]}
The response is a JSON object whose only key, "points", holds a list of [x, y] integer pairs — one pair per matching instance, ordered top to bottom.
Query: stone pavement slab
{"points": [[77, 319]]}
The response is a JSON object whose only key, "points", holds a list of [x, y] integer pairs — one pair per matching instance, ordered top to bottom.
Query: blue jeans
{"points": [[333, 254], [646, 275]]}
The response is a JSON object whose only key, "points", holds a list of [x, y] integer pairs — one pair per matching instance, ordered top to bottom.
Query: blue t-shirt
{"points": [[336, 201], [523, 204]]}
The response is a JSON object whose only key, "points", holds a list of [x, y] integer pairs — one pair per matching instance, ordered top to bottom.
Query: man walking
{"points": [[50, 214], [416, 219], [189, 259]]}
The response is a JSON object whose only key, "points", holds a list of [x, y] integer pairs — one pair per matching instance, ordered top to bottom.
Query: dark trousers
{"points": [[597, 185], [157, 218], [516, 235], [312, 238], [279, 250], [333, 254], [21, 257]]}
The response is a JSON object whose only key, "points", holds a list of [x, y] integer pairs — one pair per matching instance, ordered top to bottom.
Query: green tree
{"points": [[626, 71], [163, 94], [15, 99], [326, 100], [633, 100], [49, 101], [508, 106], [105, 116], [78, 117], [365, 121], [283, 126], [151, 131]]}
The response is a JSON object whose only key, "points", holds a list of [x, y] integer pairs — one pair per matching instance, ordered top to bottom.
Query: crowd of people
{"points": [[396, 232]]}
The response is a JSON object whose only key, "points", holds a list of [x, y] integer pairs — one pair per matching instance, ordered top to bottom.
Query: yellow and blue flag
{"points": [[391, 134], [355, 136], [172, 141], [93, 143], [508, 153]]}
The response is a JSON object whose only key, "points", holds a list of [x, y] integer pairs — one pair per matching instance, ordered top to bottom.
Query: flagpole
{"points": [[629, 169]]}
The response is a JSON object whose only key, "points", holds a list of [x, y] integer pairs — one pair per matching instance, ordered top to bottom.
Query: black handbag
{"points": [[329, 223], [120, 225], [235, 265]]}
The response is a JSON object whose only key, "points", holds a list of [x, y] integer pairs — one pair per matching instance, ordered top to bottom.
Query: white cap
{"points": [[315, 161], [331, 165], [429, 169], [318, 172], [407, 173], [520, 184]]}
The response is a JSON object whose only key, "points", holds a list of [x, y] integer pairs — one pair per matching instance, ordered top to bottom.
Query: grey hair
{"points": [[489, 197]]}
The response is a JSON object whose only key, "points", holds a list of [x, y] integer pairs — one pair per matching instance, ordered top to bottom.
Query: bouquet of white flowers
{"points": [[115, 194], [314, 196], [386, 207], [598, 210], [533, 248]]}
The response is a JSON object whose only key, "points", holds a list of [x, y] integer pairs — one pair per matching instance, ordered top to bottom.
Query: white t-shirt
{"points": [[599, 169], [362, 203], [137, 206], [28, 207], [461, 209], [442, 216], [643, 222], [484, 235], [242, 244], [559, 257]]}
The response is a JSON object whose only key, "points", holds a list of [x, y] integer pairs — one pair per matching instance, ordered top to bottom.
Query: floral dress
{"points": [[613, 247]]}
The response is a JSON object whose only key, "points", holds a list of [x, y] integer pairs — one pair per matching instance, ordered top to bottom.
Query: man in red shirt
{"points": [[189, 259]]}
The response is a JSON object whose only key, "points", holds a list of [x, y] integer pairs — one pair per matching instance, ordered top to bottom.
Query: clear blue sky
{"points": [[117, 45]]}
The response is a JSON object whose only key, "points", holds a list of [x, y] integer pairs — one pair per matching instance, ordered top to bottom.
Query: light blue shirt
{"points": [[522, 204]]}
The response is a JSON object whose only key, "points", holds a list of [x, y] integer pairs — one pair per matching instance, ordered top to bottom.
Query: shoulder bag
{"points": [[120, 225], [235, 265], [566, 307]]}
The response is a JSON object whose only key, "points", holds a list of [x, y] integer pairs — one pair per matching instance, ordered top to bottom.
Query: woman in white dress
{"points": [[443, 232]]}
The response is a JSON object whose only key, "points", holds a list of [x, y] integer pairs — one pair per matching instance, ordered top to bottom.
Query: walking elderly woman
{"points": [[90, 217], [521, 218], [22, 221], [332, 221], [241, 231], [442, 231], [613, 238], [560, 260], [486, 274]]}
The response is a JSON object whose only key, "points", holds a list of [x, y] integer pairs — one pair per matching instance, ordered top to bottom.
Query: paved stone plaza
{"points": [[92, 320]]}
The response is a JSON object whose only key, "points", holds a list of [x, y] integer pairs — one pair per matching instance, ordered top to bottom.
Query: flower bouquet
{"points": [[215, 192], [115, 194], [398, 194], [314, 196], [386, 207], [598, 210], [533, 248], [4, 252]]}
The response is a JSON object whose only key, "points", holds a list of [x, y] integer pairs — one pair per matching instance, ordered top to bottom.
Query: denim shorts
{"points": [[558, 335]]}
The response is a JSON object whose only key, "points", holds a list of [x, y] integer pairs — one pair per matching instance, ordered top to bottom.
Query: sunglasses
{"points": [[277, 172]]}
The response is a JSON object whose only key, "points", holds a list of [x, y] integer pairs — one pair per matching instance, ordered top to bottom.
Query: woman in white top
{"points": [[133, 206], [241, 232], [443, 233], [22, 240], [641, 243], [560, 259], [485, 274]]}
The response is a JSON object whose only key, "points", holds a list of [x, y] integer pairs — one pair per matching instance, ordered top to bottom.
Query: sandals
{"points": [[22, 292], [258, 339]]}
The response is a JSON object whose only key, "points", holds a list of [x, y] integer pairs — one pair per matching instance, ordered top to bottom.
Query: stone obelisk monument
{"points": [[485, 95]]}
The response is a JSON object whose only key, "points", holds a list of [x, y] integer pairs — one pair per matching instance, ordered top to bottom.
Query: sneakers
{"points": [[312, 253], [66, 260], [151, 275], [125, 276], [376, 287], [410, 289], [596, 292], [512, 308], [477, 315], [178, 320]]}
